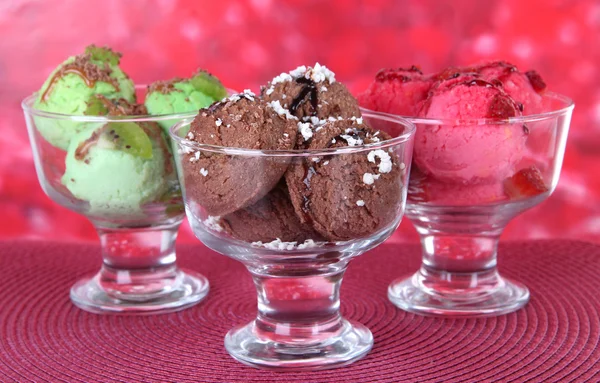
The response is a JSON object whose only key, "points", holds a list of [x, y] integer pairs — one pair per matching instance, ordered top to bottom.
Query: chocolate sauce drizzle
{"points": [[63, 72], [310, 90]]}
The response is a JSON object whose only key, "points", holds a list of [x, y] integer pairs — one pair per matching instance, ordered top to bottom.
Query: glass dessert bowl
{"points": [[118, 171], [460, 200], [295, 218]]}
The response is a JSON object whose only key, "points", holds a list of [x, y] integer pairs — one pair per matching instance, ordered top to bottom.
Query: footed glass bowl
{"points": [[119, 173], [468, 180], [295, 219]]}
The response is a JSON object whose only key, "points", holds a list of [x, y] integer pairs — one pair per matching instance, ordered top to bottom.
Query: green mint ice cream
{"points": [[69, 88], [183, 96], [118, 166]]}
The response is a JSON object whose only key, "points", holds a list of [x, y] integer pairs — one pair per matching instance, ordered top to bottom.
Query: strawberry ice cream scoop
{"points": [[524, 88], [396, 91], [465, 152]]}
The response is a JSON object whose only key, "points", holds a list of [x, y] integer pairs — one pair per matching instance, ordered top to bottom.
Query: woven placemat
{"points": [[43, 337]]}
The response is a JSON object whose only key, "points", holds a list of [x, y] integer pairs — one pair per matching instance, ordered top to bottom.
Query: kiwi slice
{"points": [[103, 54], [209, 85], [95, 107], [129, 137]]}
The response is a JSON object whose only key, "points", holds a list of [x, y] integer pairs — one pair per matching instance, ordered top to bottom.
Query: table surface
{"points": [[555, 338]]}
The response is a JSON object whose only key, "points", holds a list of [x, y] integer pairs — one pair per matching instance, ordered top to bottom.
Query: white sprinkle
{"points": [[298, 72], [320, 73], [281, 78], [323, 89], [269, 91], [247, 93], [284, 96], [280, 110], [332, 119], [358, 120], [218, 122], [228, 125], [305, 130], [376, 133], [190, 135], [286, 135], [351, 140], [333, 141], [187, 149], [196, 157], [316, 159], [385, 161], [326, 163], [402, 166], [204, 172], [369, 178], [360, 202], [212, 222], [309, 243], [278, 244]]}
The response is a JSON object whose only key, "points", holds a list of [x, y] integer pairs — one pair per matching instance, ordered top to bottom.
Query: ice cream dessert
{"points": [[70, 87], [524, 88], [397, 91], [311, 92], [181, 95], [468, 154], [473, 155], [118, 166], [224, 184], [345, 196], [277, 202], [271, 218]]}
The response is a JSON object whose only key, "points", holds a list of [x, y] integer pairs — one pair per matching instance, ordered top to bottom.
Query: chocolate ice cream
{"points": [[312, 92], [226, 183], [346, 196], [271, 218]]}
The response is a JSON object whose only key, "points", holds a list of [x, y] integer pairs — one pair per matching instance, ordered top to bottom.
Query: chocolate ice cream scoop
{"points": [[312, 91], [225, 183], [346, 196], [271, 218]]}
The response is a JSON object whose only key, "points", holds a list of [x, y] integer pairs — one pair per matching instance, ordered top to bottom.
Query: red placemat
{"points": [[43, 337]]}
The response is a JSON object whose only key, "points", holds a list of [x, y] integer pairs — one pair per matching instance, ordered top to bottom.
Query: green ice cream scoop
{"points": [[70, 87], [183, 95], [118, 167]]}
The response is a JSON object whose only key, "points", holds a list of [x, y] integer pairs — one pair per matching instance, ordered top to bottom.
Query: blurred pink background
{"points": [[246, 43]]}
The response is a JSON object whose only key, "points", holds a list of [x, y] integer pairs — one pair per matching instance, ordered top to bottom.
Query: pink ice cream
{"points": [[524, 88], [396, 91], [469, 153], [459, 162]]}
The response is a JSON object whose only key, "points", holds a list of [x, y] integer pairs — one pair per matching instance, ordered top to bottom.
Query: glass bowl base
{"points": [[189, 289], [413, 295], [352, 342]]}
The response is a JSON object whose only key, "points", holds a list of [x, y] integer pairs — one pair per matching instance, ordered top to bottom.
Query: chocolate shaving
{"points": [[164, 87], [122, 107]]}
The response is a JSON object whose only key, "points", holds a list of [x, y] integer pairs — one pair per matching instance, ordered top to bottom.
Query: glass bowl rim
{"points": [[27, 105], [567, 108], [396, 141]]}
